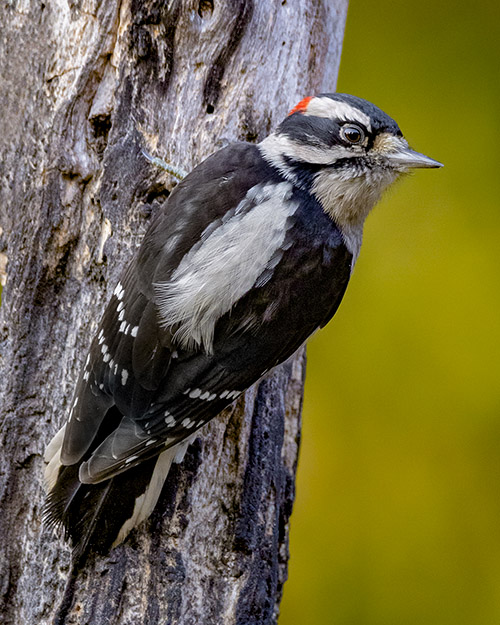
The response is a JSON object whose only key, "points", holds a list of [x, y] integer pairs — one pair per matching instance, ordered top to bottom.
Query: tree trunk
{"points": [[85, 87]]}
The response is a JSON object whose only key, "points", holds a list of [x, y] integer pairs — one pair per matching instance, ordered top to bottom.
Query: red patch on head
{"points": [[301, 106]]}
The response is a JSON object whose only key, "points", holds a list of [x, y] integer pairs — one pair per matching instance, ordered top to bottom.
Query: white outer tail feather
{"points": [[52, 459], [145, 504]]}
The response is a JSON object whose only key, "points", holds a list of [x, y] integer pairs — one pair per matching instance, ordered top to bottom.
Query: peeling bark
{"points": [[85, 87]]}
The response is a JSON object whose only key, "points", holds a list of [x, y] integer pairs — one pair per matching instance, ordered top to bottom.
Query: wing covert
{"points": [[131, 354]]}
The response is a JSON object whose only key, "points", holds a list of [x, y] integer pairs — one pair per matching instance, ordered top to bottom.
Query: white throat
{"points": [[344, 195], [348, 200]]}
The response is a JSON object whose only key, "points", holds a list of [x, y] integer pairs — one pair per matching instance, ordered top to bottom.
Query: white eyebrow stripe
{"points": [[335, 109]]}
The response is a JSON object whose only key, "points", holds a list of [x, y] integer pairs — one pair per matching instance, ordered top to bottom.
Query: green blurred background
{"points": [[397, 517]]}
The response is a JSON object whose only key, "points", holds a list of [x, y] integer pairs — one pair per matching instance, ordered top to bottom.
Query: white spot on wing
{"points": [[119, 291], [124, 376], [196, 392], [230, 394]]}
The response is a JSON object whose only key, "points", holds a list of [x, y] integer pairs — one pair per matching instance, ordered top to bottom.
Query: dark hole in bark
{"points": [[205, 8]]}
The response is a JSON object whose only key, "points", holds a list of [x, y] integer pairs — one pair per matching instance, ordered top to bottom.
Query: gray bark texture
{"points": [[85, 86]]}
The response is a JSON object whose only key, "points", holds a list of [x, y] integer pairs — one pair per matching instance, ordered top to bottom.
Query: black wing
{"points": [[141, 392]]}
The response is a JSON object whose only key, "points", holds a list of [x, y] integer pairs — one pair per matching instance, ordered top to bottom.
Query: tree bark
{"points": [[85, 87]]}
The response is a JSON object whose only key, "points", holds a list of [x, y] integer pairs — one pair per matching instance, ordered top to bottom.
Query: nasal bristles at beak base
{"points": [[399, 154]]}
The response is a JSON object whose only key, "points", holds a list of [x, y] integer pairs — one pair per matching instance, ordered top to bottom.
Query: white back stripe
{"points": [[213, 276]]}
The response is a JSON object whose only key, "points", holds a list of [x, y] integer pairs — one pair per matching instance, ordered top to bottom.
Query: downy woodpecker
{"points": [[250, 255]]}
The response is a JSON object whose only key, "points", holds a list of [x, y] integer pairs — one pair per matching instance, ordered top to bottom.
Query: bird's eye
{"points": [[352, 134]]}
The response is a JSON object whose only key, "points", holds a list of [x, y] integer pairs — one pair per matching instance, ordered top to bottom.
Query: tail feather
{"points": [[52, 458], [145, 503], [93, 515], [97, 517]]}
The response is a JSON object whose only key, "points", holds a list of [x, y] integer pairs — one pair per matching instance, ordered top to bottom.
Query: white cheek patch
{"points": [[335, 109], [276, 146], [216, 274]]}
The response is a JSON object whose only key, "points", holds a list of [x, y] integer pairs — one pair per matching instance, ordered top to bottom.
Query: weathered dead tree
{"points": [[85, 87]]}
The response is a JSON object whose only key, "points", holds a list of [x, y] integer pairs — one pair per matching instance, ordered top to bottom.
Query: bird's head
{"points": [[344, 150]]}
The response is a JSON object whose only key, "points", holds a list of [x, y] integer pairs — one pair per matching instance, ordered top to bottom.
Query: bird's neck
{"points": [[346, 195], [348, 201]]}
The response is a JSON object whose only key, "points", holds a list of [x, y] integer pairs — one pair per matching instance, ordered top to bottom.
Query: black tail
{"points": [[93, 514]]}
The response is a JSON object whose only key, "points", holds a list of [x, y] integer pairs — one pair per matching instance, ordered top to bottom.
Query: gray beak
{"points": [[408, 158]]}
